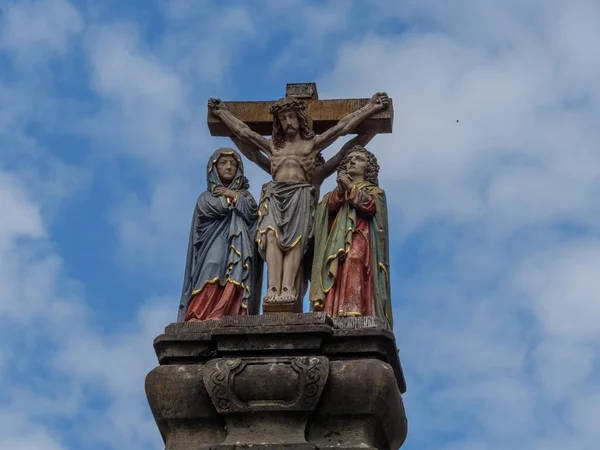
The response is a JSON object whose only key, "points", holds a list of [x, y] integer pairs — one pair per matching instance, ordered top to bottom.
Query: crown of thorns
{"points": [[287, 103]]}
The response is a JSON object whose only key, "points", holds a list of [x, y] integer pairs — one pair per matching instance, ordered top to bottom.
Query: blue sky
{"points": [[494, 218]]}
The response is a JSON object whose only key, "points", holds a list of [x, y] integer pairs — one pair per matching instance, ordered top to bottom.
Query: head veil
{"points": [[213, 180]]}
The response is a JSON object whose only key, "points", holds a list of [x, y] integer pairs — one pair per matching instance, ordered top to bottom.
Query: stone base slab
{"points": [[300, 381]]}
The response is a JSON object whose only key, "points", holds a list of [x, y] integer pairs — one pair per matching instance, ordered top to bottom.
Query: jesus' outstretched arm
{"points": [[377, 103], [237, 127], [253, 154]]}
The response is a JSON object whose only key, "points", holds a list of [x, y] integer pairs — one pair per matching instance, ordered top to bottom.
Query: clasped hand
{"points": [[344, 183], [225, 192]]}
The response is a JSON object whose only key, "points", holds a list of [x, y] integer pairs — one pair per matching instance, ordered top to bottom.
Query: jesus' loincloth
{"points": [[287, 209]]}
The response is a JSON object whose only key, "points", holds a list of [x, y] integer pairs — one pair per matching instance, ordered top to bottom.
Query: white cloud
{"points": [[39, 30], [202, 40], [142, 98], [514, 154], [23, 218], [562, 287], [62, 353], [116, 365], [17, 433]]}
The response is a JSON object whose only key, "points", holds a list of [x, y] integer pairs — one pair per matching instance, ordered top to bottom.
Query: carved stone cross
{"points": [[323, 113]]}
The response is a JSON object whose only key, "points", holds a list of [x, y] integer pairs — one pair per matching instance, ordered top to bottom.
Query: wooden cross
{"points": [[323, 113]]}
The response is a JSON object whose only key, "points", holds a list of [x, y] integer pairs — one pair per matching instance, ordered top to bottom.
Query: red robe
{"points": [[352, 294], [215, 301]]}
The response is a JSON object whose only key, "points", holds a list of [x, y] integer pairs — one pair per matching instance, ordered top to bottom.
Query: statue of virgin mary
{"points": [[223, 272]]}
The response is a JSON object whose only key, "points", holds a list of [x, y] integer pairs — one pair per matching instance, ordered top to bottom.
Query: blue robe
{"points": [[221, 245]]}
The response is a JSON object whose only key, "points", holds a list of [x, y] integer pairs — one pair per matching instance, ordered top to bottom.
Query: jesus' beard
{"points": [[291, 131]]}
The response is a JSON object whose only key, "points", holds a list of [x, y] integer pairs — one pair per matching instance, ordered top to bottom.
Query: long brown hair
{"points": [[286, 104]]}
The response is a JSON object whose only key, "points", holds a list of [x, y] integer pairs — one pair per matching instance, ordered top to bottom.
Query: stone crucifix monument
{"points": [[287, 204], [229, 378]]}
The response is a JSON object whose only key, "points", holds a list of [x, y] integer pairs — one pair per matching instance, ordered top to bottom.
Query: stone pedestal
{"points": [[279, 308], [293, 381]]}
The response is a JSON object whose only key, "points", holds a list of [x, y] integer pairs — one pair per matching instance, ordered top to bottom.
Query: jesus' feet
{"points": [[288, 295], [272, 296]]}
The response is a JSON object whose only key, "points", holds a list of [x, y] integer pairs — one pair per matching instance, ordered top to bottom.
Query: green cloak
{"points": [[332, 245]]}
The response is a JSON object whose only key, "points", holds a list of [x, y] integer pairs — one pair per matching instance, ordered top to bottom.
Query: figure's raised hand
{"points": [[380, 99], [215, 104], [344, 182], [340, 187]]}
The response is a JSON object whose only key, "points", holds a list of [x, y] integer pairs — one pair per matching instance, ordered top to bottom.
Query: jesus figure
{"points": [[287, 203]]}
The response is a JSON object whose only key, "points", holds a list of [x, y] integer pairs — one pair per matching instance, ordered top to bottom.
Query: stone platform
{"points": [[294, 381]]}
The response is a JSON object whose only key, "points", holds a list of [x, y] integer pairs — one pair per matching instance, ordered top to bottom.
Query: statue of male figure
{"points": [[287, 203]]}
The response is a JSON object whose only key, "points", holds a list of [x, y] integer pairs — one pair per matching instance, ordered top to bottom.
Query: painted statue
{"points": [[287, 204], [223, 272], [350, 273]]}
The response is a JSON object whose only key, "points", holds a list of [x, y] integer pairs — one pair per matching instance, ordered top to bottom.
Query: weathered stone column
{"points": [[296, 381]]}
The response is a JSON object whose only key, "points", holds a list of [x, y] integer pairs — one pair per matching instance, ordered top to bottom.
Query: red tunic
{"points": [[352, 293], [215, 301]]}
